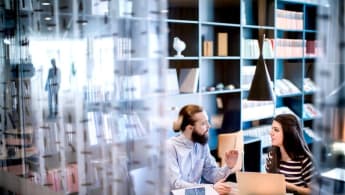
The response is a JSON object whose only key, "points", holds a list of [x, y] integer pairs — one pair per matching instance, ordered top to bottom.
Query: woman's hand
{"points": [[231, 157], [289, 186], [222, 187], [298, 189]]}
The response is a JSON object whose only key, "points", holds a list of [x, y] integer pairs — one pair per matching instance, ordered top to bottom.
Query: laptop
{"points": [[250, 183], [197, 190]]}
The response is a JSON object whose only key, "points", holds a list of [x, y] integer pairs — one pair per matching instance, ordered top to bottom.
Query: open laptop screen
{"points": [[195, 191]]}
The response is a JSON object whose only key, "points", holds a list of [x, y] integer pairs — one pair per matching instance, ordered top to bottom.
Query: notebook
{"points": [[260, 183]]}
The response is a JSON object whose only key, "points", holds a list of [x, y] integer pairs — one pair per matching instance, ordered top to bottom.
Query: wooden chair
{"points": [[228, 141]]}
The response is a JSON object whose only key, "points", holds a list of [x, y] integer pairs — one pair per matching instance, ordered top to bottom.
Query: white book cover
{"points": [[267, 49], [247, 76], [188, 80], [172, 84]]}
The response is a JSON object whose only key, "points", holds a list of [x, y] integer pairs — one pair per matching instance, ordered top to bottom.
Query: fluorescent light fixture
{"points": [[45, 3], [164, 11], [47, 18], [7, 41]]}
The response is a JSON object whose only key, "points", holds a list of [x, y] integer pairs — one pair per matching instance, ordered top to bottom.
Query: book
{"points": [[222, 44], [208, 48], [250, 48], [267, 50], [247, 76], [188, 80], [309, 85], [310, 112], [72, 178]]}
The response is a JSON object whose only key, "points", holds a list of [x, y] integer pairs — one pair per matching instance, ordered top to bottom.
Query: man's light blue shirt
{"points": [[189, 162]]}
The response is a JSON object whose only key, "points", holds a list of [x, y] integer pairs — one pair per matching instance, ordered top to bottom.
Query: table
{"points": [[335, 174], [333, 181], [210, 191]]}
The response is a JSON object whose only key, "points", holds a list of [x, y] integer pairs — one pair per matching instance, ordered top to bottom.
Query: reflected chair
{"points": [[228, 141], [143, 180]]}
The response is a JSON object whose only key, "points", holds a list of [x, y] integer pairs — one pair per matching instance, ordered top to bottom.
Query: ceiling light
{"points": [[46, 3], [164, 11], [48, 18], [7, 41], [261, 87]]}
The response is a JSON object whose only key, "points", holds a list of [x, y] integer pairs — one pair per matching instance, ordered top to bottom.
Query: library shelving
{"points": [[222, 42]]}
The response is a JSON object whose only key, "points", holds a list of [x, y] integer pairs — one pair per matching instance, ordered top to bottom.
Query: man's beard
{"points": [[202, 139]]}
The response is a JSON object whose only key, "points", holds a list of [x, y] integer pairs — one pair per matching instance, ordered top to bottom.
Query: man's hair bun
{"points": [[177, 124]]}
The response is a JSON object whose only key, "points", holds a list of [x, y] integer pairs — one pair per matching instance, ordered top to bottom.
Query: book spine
{"points": [[222, 44], [208, 48]]}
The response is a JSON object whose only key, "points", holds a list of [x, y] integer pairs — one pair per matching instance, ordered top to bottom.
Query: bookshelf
{"points": [[290, 55], [90, 134], [17, 135]]}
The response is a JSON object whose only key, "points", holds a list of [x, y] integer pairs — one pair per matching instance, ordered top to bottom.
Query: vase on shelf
{"points": [[179, 46]]}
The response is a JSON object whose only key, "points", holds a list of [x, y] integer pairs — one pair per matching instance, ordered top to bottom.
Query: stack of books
{"points": [[289, 20], [285, 87], [255, 110], [310, 112], [262, 131]]}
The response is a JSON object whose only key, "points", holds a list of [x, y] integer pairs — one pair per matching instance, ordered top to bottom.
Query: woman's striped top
{"points": [[298, 172]]}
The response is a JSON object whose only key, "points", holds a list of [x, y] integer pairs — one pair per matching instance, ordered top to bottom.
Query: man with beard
{"points": [[189, 160]]}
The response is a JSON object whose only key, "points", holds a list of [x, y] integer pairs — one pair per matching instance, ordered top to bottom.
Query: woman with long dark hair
{"points": [[290, 154]]}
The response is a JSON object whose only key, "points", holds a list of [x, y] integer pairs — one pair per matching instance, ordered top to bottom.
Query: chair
{"points": [[228, 141]]}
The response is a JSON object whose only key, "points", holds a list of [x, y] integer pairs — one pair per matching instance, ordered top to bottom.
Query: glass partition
{"points": [[330, 76], [82, 94]]}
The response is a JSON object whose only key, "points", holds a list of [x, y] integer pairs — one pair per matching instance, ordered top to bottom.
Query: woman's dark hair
{"points": [[186, 116], [293, 139]]}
